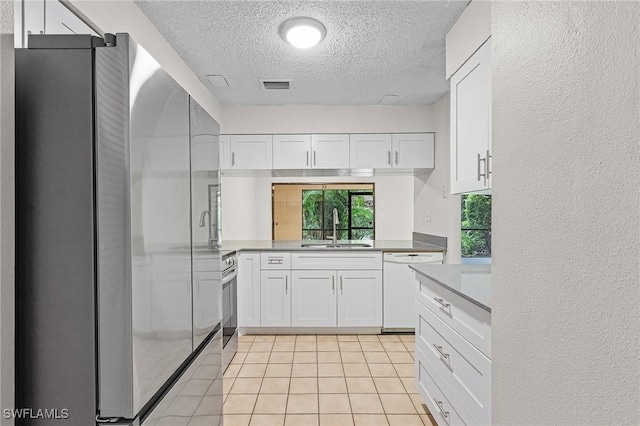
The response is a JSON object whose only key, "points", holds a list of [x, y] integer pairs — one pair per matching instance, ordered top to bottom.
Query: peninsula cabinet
{"points": [[471, 123]]}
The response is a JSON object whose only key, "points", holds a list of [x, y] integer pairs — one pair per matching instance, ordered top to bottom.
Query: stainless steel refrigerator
{"points": [[118, 283]]}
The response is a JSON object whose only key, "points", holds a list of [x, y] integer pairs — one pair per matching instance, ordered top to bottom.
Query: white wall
{"points": [[124, 16], [326, 119], [432, 190], [246, 204], [566, 209], [247, 215], [7, 220]]}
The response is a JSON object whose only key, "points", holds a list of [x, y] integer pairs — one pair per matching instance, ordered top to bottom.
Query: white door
{"points": [[471, 122], [291, 151], [330, 151], [370, 151], [413, 151], [225, 152], [251, 152], [249, 289], [360, 298], [275, 299], [313, 299]]}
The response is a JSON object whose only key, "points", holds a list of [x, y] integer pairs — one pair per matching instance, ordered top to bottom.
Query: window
{"points": [[305, 211], [476, 226]]}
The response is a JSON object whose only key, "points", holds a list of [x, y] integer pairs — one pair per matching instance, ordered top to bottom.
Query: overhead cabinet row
{"points": [[328, 151]]}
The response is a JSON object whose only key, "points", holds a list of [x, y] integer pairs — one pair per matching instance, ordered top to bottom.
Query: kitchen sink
{"points": [[339, 245]]}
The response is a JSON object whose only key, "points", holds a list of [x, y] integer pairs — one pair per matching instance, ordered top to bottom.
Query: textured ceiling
{"points": [[372, 48]]}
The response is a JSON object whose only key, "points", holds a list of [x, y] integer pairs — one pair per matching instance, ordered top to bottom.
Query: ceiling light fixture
{"points": [[302, 32]]}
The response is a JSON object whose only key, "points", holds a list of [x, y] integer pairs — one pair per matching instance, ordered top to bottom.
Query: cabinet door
{"points": [[60, 20], [471, 122], [291, 151], [330, 151], [370, 151], [413, 151], [225, 152], [251, 152], [249, 290], [275, 299], [313, 299], [360, 299]]}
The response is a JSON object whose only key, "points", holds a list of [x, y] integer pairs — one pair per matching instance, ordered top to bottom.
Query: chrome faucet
{"points": [[203, 216], [202, 223], [334, 238]]}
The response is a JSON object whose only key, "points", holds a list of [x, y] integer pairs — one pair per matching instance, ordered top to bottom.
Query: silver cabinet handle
{"points": [[389, 157], [307, 158], [314, 158], [396, 158], [233, 159], [488, 168], [483, 175], [275, 261], [286, 284], [333, 284], [341, 291], [442, 302], [443, 356], [444, 414]]}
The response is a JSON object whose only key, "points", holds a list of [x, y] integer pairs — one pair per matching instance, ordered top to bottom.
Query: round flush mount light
{"points": [[302, 32]]}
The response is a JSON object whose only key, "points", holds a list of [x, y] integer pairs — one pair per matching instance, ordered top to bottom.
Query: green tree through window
{"points": [[355, 212], [476, 226]]}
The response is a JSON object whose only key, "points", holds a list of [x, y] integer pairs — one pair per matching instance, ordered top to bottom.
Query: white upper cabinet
{"points": [[470, 31], [471, 123], [413, 150], [291, 151], [330, 151], [370, 151], [225, 152], [251, 152]]}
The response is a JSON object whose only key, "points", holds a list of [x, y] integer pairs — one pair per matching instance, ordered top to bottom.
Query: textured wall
{"points": [[326, 119], [432, 190], [7, 221], [566, 241]]}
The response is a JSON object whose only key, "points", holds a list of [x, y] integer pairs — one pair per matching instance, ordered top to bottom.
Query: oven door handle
{"points": [[226, 279]]}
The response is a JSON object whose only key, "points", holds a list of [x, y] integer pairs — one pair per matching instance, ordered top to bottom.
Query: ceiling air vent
{"points": [[276, 84]]}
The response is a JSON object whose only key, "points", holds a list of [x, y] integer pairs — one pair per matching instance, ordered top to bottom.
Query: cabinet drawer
{"points": [[275, 260], [336, 260], [472, 322], [464, 369], [441, 409]]}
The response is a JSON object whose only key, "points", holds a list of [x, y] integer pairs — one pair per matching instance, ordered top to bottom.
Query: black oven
{"points": [[229, 308]]}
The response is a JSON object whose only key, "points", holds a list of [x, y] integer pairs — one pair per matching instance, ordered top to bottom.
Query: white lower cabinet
{"points": [[249, 289], [289, 289], [275, 298], [360, 298], [313, 300], [453, 368]]}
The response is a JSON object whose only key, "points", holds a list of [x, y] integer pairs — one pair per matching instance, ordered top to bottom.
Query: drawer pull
{"points": [[275, 261], [442, 303], [443, 356], [444, 414]]}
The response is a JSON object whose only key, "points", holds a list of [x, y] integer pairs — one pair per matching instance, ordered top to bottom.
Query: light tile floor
{"points": [[323, 380]]}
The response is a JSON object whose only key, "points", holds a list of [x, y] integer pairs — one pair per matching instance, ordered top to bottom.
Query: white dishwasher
{"points": [[399, 288]]}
